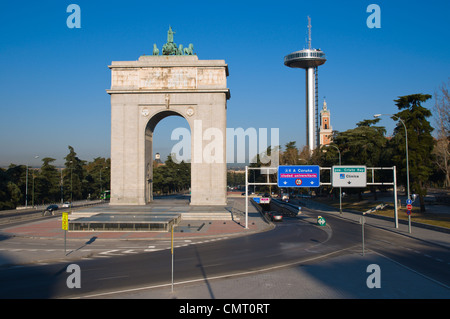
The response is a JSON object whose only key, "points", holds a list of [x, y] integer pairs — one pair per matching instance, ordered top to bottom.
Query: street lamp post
{"points": [[407, 161], [71, 185], [26, 186], [62, 187], [340, 188], [26, 189], [32, 197]]}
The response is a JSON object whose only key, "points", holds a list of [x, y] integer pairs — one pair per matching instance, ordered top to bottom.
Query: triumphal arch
{"points": [[143, 92]]}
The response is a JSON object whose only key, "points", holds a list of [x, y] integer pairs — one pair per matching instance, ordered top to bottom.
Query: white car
{"points": [[67, 204]]}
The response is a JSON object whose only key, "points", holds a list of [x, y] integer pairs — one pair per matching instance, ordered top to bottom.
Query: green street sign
{"points": [[349, 176], [321, 221]]}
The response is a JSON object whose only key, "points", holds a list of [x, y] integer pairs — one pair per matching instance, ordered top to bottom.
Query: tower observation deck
{"points": [[309, 59]]}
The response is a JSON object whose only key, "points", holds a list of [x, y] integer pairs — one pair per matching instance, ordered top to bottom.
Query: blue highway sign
{"points": [[299, 176]]}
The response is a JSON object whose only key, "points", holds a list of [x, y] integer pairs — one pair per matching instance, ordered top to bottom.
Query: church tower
{"points": [[326, 131]]}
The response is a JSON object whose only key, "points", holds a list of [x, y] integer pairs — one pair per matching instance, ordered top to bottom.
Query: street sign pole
{"points": [[394, 172], [246, 197], [408, 211], [409, 223], [65, 226], [362, 232], [171, 249]]}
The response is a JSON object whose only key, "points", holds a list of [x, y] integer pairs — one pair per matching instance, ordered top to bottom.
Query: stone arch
{"points": [[144, 92]]}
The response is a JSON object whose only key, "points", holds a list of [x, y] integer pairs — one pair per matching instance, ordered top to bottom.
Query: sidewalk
{"points": [[52, 229]]}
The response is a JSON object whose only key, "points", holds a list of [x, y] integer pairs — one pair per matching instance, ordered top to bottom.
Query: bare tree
{"points": [[442, 114]]}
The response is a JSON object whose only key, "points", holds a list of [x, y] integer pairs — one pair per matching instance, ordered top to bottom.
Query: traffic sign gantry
{"points": [[298, 176]]}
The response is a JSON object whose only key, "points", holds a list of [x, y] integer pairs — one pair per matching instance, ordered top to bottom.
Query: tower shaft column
{"points": [[310, 109]]}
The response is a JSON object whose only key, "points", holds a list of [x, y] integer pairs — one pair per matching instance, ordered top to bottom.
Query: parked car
{"points": [[67, 204], [50, 210], [275, 216]]}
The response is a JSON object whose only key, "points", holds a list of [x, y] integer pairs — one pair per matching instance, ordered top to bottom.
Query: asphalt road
{"points": [[292, 242]]}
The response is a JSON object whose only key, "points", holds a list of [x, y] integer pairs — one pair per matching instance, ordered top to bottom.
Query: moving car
{"points": [[67, 204], [50, 210], [275, 216]]}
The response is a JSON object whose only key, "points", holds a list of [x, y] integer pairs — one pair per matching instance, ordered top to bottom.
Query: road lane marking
{"points": [[414, 271], [113, 277], [202, 279]]}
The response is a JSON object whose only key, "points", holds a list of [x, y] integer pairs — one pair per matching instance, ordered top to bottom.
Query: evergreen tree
{"points": [[420, 143], [73, 176], [97, 177], [171, 177], [47, 183]]}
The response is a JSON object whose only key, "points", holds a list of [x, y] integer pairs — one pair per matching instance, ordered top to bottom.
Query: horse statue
{"points": [[155, 50], [180, 50], [189, 50]]}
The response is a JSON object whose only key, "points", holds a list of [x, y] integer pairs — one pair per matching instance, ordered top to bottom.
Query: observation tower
{"points": [[309, 59]]}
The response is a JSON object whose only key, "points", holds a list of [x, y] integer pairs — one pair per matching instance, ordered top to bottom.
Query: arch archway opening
{"points": [[168, 134]]}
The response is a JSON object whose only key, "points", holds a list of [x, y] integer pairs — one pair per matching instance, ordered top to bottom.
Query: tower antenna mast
{"points": [[309, 33]]}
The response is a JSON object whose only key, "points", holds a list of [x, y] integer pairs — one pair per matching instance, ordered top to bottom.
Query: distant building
{"points": [[325, 130], [157, 162]]}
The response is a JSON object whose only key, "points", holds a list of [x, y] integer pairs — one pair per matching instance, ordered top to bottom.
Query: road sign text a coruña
{"points": [[298, 176]]}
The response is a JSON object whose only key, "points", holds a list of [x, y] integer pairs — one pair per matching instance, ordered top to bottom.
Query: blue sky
{"points": [[53, 79]]}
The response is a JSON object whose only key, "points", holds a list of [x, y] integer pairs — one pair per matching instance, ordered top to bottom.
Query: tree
{"points": [[420, 142], [363, 145], [442, 148], [290, 155], [73, 176], [97, 177], [171, 177], [235, 179], [47, 183], [12, 186]]}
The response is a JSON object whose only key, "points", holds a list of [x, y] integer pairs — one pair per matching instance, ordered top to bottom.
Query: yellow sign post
{"points": [[65, 221], [65, 227]]}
